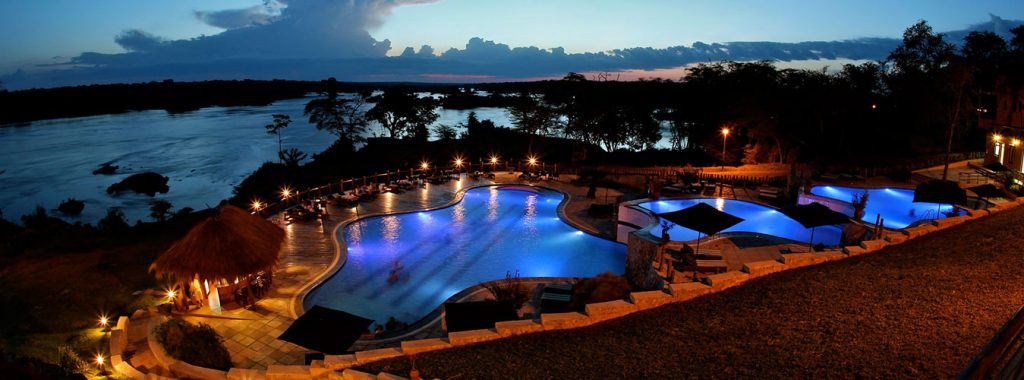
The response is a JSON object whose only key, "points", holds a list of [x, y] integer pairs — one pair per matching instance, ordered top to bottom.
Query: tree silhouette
{"points": [[400, 113], [531, 115], [341, 117], [280, 122], [445, 132], [292, 157], [159, 210]]}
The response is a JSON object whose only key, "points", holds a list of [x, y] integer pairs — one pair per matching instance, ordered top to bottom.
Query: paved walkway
{"points": [[251, 334]]}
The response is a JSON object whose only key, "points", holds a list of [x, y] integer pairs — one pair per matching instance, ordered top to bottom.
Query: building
{"points": [[1002, 114]]}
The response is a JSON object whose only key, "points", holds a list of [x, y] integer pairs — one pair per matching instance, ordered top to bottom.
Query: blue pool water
{"points": [[895, 205], [757, 219], [490, 232]]}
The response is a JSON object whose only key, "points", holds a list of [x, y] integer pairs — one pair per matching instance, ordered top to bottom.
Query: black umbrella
{"points": [[936, 191], [942, 192], [814, 215], [702, 218], [326, 330]]}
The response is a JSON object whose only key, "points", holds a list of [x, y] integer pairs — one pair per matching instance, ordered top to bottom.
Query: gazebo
{"points": [[229, 256]]}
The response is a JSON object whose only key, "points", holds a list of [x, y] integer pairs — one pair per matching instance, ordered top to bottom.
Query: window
{"points": [[997, 150]]}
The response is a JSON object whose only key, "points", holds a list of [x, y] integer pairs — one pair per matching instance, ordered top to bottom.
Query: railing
{"points": [[1003, 357]]}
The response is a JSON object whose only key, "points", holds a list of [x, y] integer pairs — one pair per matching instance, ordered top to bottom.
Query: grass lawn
{"points": [[918, 310]]}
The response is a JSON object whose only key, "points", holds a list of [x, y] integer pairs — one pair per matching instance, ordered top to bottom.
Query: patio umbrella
{"points": [[942, 192], [814, 215], [702, 218], [326, 330]]}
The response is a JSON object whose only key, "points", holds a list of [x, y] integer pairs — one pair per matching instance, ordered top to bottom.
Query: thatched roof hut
{"points": [[230, 244]]}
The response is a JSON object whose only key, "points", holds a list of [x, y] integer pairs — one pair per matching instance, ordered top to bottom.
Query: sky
{"points": [[109, 37]]}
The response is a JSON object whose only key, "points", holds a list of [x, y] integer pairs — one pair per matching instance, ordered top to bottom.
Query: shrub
{"points": [[605, 287], [510, 289], [194, 344], [69, 361]]}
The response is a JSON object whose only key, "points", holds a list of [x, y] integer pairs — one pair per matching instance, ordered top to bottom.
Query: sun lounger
{"points": [[769, 192], [558, 288], [554, 302]]}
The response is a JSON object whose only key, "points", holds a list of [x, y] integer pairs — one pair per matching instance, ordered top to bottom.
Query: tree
{"points": [[921, 51], [401, 113], [531, 115], [341, 117], [280, 122], [642, 130], [445, 132], [292, 157], [159, 210], [113, 222]]}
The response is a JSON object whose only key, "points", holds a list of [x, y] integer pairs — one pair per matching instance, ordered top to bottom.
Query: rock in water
{"points": [[106, 169], [148, 183], [71, 206]]}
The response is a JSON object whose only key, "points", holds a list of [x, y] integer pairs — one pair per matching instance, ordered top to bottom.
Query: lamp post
{"points": [[725, 135], [494, 163]]}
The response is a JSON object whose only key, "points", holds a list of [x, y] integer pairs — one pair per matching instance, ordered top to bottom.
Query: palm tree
{"points": [[280, 122]]}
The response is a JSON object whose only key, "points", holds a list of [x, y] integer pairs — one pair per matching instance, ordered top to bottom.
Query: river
{"points": [[205, 153]]}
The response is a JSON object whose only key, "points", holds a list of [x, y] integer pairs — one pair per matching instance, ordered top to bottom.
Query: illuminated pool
{"points": [[895, 205], [757, 219], [493, 230]]}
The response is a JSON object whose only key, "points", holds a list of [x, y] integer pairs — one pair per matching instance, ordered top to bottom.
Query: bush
{"points": [[605, 287], [509, 290], [194, 344], [69, 361]]}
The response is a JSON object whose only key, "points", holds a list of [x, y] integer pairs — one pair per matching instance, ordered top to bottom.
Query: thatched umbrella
{"points": [[230, 244]]}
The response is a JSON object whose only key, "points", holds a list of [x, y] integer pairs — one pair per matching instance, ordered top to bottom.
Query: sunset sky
{"points": [[44, 35]]}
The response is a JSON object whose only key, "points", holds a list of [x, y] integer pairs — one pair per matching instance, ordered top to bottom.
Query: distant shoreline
{"points": [[18, 108]]}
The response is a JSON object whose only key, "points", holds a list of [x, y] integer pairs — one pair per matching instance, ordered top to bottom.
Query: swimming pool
{"points": [[895, 205], [757, 219], [491, 231]]}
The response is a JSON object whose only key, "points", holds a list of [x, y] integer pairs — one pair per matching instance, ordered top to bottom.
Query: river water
{"points": [[205, 153]]}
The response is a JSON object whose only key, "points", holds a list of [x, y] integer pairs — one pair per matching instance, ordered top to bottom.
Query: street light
{"points": [[725, 134], [458, 162], [424, 165], [257, 205]]}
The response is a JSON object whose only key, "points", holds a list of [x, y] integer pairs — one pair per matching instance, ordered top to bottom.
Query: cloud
{"points": [[240, 18], [291, 29], [315, 39], [137, 40]]}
